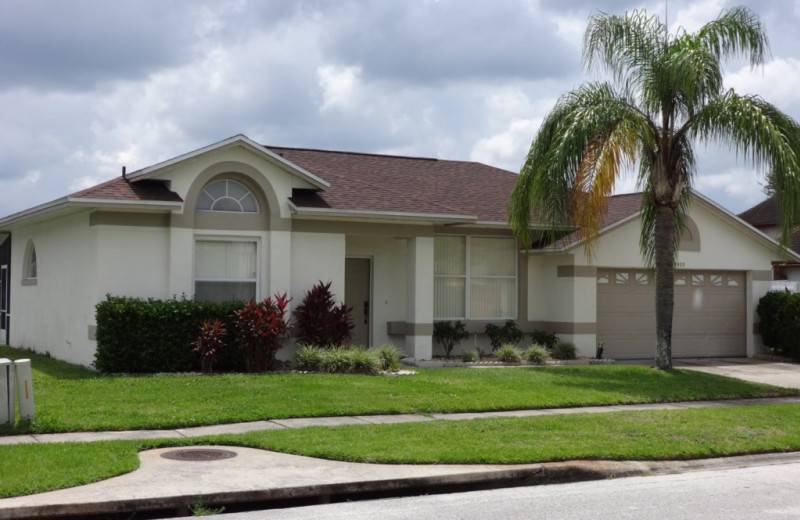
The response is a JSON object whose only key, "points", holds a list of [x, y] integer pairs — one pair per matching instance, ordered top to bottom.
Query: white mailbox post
{"points": [[24, 388], [7, 398]]}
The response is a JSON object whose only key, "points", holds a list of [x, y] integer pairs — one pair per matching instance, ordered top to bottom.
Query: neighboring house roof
{"points": [[389, 183], [765, 213]]}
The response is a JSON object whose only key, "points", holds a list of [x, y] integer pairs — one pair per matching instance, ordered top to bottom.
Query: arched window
{"points": [[227, 195], [29, 271]]}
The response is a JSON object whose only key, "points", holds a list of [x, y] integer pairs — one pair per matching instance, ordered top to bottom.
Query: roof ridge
{"points": [[345, 152]]}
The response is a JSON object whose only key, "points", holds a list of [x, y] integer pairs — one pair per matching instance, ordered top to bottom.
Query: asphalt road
{"points": [[763, 492]]}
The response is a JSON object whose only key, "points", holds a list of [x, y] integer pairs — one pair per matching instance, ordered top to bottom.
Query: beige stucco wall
{"points": [[724, 245], [54, 314]]}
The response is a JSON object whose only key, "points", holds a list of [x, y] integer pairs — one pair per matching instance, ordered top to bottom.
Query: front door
{"points": [[4, 290], [356, 295]]}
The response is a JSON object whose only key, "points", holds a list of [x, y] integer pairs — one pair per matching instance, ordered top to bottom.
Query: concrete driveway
{"points": [[757, 370]]}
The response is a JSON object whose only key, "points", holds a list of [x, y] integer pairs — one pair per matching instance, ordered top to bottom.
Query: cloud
{"points": [[339, 86]]}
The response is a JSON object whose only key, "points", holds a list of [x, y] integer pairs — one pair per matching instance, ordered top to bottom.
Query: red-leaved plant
{"points": [[320, 321], [259, 329], [209, 343]]}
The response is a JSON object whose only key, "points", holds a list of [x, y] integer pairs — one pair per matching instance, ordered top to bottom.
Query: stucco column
{"points": [[181, 254], [419, 298]]}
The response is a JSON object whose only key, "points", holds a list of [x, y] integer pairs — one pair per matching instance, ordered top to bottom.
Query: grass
{"points": [[71, 398], [651, 435]]}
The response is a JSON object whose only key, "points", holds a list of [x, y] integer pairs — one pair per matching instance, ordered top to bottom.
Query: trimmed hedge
{"points": [[780, 322], [149, 336]]}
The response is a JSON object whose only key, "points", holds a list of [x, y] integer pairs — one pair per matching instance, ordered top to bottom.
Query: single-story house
{"points": [[405, 241]]}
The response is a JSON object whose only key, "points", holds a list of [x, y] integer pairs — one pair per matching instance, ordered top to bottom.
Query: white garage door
{"points": [[709, 318]]}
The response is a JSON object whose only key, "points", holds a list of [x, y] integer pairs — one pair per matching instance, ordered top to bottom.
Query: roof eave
{"points": [[237, 140], [384, 216]]}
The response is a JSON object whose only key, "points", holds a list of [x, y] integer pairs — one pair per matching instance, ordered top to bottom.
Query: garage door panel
{"points": [[708, 317]]}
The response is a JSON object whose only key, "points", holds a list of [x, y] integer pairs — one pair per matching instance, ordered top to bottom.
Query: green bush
{"points": [[779, 312], [508, 333], [449, 334], [135, 335], [544, 338], [563, 350], [508, 353], [537, 354], [470, 356], [389, 357], [308, 358], [344, 360]]}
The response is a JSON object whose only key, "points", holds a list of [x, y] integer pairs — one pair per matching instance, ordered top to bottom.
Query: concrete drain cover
{"points": [[203, 455]]}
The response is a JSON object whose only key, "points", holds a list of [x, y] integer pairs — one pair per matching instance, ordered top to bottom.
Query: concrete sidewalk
{"points": [[203, 474]]}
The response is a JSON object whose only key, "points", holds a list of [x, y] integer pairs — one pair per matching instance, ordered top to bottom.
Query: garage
{"points": [[709, 317]]}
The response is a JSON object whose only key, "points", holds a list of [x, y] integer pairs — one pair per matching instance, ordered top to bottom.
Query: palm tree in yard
{"points": [[666, 94]]}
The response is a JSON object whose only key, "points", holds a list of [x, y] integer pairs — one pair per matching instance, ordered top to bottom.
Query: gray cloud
{"points": [[448, 40]]}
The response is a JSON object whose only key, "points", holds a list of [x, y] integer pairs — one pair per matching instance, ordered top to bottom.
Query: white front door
{"points": [[357, 296]]}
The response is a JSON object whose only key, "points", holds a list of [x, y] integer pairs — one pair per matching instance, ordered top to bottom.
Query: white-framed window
{"points": [[226, 195], [29, 264], [225, 270], [475, 278]]}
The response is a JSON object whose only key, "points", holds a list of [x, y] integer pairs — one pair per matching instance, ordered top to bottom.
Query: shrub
{"points": [[779, 313], [318, 320], [259, 330], [508, 333], [449, 334], [137, 336], [544, 338], [209, 343], [564, 350], [508, 353], [537, 354], [469, 356], [308, 358], [389, 358], [338, 360]]}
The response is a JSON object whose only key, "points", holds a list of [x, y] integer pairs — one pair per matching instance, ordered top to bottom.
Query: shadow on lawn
{"points": [[48, 366], [652, 385]]}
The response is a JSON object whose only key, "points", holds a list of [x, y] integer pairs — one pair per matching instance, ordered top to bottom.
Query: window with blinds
{"points": [[225, 270], [475, 278]]}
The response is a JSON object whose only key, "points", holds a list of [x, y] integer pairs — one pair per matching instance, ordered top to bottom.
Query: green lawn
{"points": [[70, 398], [674, 434]]}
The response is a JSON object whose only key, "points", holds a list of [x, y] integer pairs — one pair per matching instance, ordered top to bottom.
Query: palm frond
{"points": [[736, 32], [764, 135], [561, 162]]}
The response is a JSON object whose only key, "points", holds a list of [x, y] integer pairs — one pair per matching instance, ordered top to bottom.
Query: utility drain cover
{"points": [[198, 455]]}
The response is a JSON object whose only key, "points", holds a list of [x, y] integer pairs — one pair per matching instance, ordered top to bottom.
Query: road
{"points": [[763, 492]]}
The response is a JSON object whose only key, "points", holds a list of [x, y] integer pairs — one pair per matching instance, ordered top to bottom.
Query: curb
{"points": [[516, 476]]}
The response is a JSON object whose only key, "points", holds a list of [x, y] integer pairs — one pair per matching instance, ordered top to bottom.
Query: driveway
{"points": [[756, 370]]}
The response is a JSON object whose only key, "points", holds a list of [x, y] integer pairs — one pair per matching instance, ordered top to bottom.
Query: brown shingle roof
{"points": [[372, 182], [120, 189], [764, 213]]}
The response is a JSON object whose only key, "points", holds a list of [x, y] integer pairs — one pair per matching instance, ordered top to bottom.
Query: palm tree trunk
{"points": [[665, 288]]}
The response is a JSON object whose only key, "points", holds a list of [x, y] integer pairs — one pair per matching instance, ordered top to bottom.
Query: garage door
{"points": [[709, 318]]}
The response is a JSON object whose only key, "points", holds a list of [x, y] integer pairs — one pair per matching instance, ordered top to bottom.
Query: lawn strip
{"points": [[71, 398], [649, 435]]}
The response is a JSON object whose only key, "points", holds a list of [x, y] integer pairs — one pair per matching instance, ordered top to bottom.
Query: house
{"points": [[764, 217], [404, 240]]}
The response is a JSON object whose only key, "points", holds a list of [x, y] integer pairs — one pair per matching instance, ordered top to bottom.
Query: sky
{"points": [[88, 86]]}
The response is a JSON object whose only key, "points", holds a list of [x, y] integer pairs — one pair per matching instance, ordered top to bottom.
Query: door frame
{"points": [[371, 286]]}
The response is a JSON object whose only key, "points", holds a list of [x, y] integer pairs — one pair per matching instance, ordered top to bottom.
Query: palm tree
{"points": [[666, 93]]}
